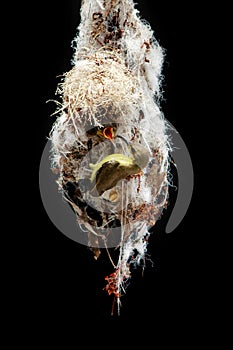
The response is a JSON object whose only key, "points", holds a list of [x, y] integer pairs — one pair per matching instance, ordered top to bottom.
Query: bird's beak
{"points": [[108, 133], [124, 139]]}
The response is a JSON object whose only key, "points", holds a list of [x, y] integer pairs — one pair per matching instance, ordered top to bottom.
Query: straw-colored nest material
{"points": [[99, 82]]}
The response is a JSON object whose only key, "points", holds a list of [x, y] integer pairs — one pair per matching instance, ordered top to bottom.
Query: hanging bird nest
{"points": [[110, 146]]}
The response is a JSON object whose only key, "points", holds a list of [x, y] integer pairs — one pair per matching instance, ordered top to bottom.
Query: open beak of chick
{"points": [[107, 133]]}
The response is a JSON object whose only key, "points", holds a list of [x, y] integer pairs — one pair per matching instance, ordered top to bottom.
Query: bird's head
{"points": [[140, 154]]}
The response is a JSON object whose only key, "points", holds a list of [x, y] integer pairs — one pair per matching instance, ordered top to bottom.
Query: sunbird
{"points": [[115, 167]]}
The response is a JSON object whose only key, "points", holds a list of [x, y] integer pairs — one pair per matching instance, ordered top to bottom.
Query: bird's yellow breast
{"points": [[120, 158]]}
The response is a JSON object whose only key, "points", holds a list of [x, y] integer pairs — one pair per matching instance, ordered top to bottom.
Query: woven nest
{"points": [[98, 85], [108, 103]]}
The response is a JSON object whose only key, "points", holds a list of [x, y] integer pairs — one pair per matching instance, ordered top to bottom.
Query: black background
{"points": [[59, 278]]}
